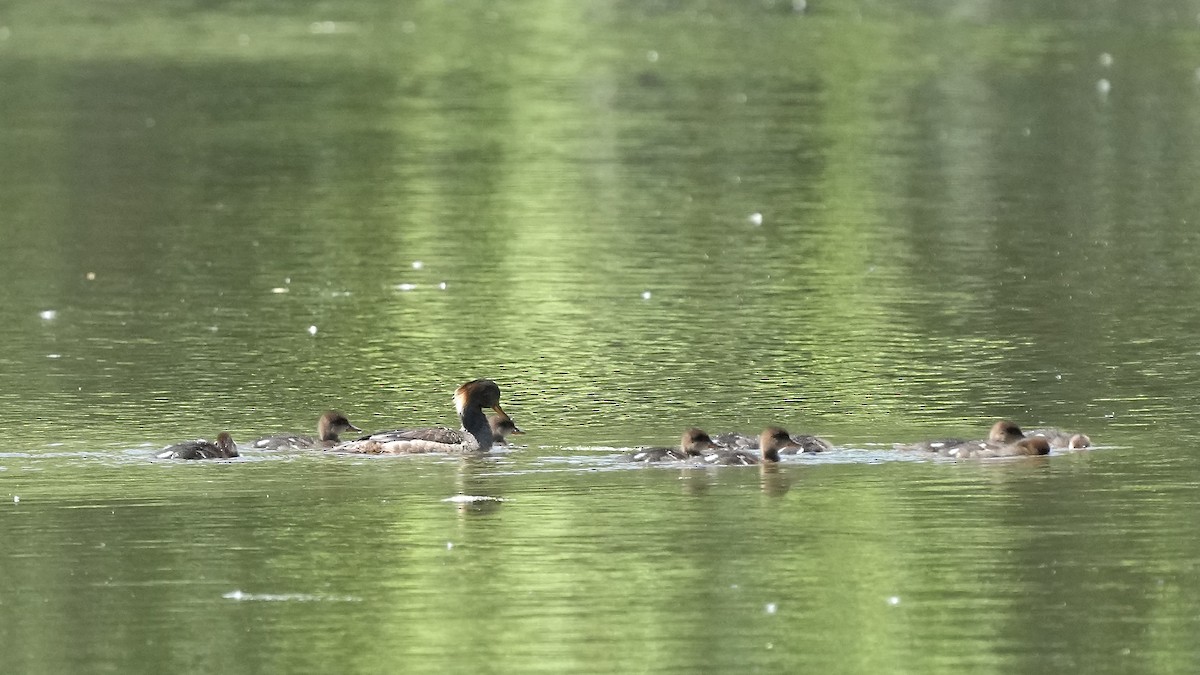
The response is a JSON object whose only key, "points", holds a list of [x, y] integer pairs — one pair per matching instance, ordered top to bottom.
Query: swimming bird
{"points": [[501, 424], [329, 426], [502, 427], [1002, 432], [476, 434], [1063, 439], [771, 442], [694, 443], [800, 443], [1035, 445], [201, 449]]}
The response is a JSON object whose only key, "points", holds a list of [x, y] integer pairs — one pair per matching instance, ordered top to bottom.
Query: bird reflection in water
{"points": [[773, 480], [476, 493]]}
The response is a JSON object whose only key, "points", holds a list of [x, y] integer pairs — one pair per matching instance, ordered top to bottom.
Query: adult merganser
{"points": [[476, 434]]}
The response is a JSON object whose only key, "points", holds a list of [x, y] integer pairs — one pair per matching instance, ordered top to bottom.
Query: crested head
{"points": [[480, 393], [1005, 431], [772, 440], [695, 441], [1079, 442]]}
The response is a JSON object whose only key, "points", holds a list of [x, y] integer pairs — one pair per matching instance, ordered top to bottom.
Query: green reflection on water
{"points": [[955, 226]]}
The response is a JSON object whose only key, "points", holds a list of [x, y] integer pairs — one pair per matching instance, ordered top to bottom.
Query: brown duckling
{"points": [[329, 426], [502, 427], [1002, 432], [1063, 439], [771, 442], [694, 443], [801, 443], [1035, 445], [200, 448]]}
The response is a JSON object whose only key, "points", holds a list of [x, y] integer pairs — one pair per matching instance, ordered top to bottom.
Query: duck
{"points": [[501, 424], [329, 426], [502, 427], [1002, 432], [476, 434], [1063, 439], [771, 443], [801, 443], [693, 444], [1030, 446], [200, 448]]}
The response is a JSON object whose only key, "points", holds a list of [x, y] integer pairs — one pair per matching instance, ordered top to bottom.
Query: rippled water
{"points": [[875, 223]]}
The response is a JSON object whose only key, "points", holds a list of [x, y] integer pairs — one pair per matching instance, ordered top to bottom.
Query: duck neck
{"points": [[475, 426], [325, 433], [770, 454]]}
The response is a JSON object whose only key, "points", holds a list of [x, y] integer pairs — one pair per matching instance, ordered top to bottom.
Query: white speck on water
{"points": [[322, 27], [244, 40], [652, 56], [1106, 59], [1103, 87], [740, 97], [149, 121], [1027, 132], [755, 218], [417, 264], [90, 276], [287, 280], [442, 285], [405, 287], [279, 289], [645, 295], [48, 314], [312, 330], [54, 356], [1058, 376], [16, 499], [467, 499], [449, 546], [288, 597], [894, 600], [771, 608]]}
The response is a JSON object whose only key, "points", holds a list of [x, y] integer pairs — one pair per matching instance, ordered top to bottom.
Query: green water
{"points": [[874, 221]]}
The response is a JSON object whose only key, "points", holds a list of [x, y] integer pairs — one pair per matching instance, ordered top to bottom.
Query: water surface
{"points": [[874, 223]]}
